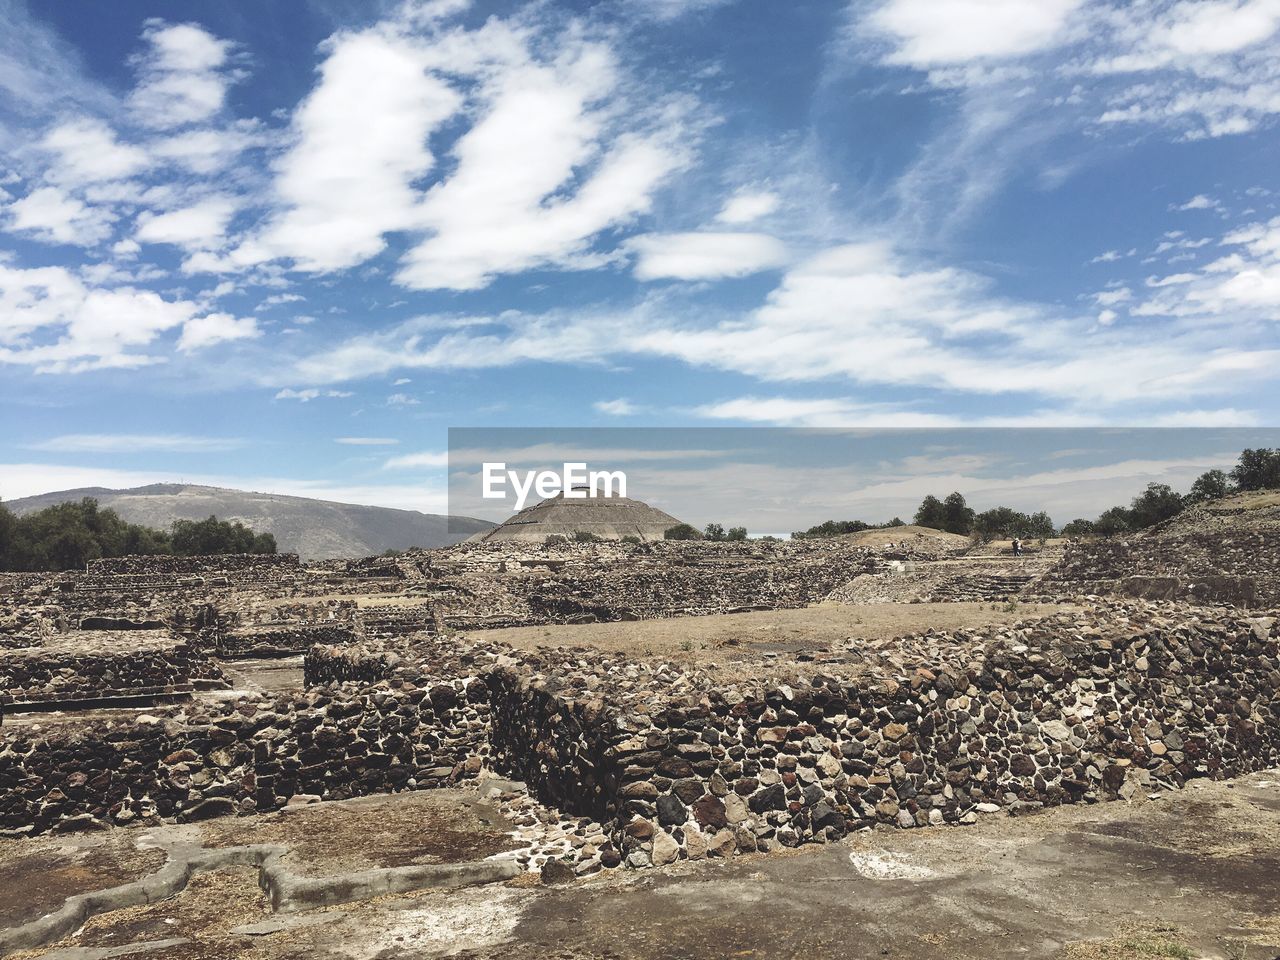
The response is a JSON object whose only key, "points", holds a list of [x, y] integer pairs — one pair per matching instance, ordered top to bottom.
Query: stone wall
{"points": [[172, 566], [1239, 568], [258, 641], [90, 665], [1068, 709], [244, 757], [694, 761]]}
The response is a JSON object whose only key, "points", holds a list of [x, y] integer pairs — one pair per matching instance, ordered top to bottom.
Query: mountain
{"points": [[313, 529]]}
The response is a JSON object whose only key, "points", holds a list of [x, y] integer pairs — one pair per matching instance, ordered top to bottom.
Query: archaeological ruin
{"points": [[132, 692]]}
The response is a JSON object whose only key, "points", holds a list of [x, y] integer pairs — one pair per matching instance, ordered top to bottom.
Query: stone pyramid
{"points": [[610, 518]]}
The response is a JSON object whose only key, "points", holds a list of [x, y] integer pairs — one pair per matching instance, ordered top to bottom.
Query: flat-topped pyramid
{"points": [[610, 518]]}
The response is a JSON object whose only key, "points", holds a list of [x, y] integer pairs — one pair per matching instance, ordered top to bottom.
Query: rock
{"points": [[1056, 730], [671, 812], [710, 812], [665, 848], [556, 872]]}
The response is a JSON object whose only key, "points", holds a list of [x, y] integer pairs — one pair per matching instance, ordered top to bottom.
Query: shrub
{"points": [[681, 531]]}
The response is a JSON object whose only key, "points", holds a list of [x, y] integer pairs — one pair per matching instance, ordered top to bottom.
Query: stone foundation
{"points": [[91, 665]]}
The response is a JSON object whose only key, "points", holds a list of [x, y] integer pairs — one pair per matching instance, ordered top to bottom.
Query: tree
{"points": [[1257, 469], [1210, 485], [1158, 502], [930, 513], [957, 516], [896, 522], [1113, 522], [1000, 523], [1040, 526], [1079, 528], [681, 531], [714, 532], [736, 534]]}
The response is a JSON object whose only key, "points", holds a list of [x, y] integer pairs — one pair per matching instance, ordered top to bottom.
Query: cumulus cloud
{"points": [[183, 75], [360, 142], [87, 151], [585, 165], [52, 215], [198, 227], [704, 255], [51, 320], [201, 332], [366, 441]]}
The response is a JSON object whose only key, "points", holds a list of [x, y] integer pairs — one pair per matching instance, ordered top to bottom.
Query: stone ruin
{"points": [[643, 761]]}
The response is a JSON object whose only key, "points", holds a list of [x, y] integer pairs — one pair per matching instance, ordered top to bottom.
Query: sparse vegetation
{"points": [[839, 528], [585, 536]]}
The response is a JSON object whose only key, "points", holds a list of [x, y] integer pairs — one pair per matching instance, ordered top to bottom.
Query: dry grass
{"points": [[739, 636], [1139, 944]]}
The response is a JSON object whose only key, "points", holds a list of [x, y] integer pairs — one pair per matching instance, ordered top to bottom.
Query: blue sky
{"points": [[286, 246]]}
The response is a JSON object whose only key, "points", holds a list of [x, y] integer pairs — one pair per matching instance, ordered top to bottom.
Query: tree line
{"points": [[1256, 470], [66, 536]]}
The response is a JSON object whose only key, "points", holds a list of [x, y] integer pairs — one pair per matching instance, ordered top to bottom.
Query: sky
{"points": [[287, 246], [776, 480]]}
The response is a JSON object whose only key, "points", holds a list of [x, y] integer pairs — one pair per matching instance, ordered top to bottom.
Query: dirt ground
{"points": [[744, 635], [430, 826], [40, 873], [1188, 874]]}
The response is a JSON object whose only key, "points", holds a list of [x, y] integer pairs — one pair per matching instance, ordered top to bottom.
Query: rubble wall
{"points": [[164, 565], [1242, 569], [269, 640], [48, 675], [1016, 726], [332, 744]]}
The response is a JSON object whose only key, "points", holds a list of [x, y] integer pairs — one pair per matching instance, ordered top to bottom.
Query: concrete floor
{"points": [[1194, 873]]}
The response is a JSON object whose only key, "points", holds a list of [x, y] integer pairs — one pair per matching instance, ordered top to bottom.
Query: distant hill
{"points": [[313, 529]]}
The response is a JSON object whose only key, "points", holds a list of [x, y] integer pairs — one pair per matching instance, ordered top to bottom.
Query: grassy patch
{"points": [[1156, 943]]}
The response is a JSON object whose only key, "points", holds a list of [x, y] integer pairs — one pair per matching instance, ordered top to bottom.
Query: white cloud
{"points": [[928, 33], [183, 76], [361, 140], [206, 150], [86, 151], [588, 161], [1199, 202], [747, 206], [54, 216], [201, 226], [705, 255], [860, 314], [50, 320], [201, 332], [310, 393], [402, 400], [621, 407], [367, 441], [135, 443], [414, 460]]}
